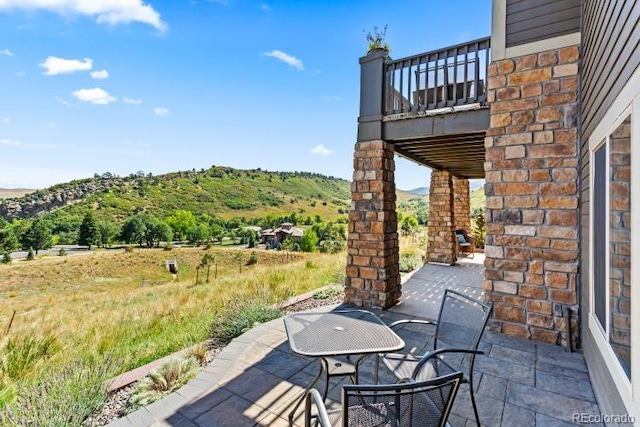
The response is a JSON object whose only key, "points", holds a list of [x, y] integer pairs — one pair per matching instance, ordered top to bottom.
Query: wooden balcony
{"points": [[431, 106]]}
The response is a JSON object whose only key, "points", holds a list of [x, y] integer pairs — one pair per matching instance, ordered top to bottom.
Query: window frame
{"points": [[627, 104]]}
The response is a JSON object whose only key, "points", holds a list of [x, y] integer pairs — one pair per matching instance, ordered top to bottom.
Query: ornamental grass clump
{"points": [[329, 291], [242, 314], [170, 376], [63, 397]]}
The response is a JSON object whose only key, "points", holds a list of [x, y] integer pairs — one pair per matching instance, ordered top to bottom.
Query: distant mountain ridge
{"points": [[420, 191], [8, 193]]}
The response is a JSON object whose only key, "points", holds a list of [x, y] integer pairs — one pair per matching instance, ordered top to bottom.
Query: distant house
{"points": [[273, 236]]}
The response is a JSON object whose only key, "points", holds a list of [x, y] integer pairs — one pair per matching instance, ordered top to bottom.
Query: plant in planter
{"points": [[376, 39]]}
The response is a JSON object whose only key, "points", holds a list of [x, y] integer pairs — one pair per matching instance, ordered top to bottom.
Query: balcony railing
{"points": [[449, 77]]}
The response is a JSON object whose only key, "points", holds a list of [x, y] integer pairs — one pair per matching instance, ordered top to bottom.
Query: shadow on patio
{"points": [[256, 379]]}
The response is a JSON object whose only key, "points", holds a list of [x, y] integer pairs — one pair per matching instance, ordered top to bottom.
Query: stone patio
{"points": [[256, 379]]}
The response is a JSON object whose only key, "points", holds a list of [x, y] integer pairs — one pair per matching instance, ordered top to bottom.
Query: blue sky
{"points": [[90, 86]]}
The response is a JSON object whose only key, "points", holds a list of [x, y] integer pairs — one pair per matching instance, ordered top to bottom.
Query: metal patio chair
{"points": [[461, 323], [409, 403]]}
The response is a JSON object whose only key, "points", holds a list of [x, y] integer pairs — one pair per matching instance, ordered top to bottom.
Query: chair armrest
{"points": [[405, 321], [430, 355], [314, 398]]}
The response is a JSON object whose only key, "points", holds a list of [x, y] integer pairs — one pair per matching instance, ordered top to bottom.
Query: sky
{"points": [[121, 86]]}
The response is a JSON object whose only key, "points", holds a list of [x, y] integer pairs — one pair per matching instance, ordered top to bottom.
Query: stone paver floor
{"points": [[256, 379]]}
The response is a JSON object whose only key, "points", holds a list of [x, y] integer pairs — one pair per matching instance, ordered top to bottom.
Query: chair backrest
{"points": [[461, 321], [425, 403]]}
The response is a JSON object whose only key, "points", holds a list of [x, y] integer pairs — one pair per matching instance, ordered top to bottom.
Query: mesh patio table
{"points": [[338, 333]]}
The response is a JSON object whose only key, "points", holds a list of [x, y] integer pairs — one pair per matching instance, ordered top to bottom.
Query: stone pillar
{"points": [[532, 193], [461, 205], [441, 226], [373, 275]]}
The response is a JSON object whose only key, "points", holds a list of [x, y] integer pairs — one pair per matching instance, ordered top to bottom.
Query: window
{"points": [[611, 234]]}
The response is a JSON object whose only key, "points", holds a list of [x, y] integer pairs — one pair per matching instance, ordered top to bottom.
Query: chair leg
{"points": [[326, 379], [473, 403]]}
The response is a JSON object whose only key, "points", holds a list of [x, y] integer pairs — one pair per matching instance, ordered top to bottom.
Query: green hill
{"points": [[219, 191]]}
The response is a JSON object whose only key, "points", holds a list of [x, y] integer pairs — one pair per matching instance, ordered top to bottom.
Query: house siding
{"points": [[529, 21], [610, 55]]}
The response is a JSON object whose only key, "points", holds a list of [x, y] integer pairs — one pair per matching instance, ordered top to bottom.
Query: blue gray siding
{"points": [[533, 20], [610, 54]]}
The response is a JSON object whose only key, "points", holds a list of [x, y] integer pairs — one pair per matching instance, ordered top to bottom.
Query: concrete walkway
{"points": [[256, 379]]}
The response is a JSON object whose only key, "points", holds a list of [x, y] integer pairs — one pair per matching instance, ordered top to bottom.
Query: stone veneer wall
{"points": [[532, 193], [461, 205], [441, 226], [373, 277]]}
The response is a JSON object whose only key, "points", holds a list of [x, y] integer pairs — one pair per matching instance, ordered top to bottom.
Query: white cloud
{"points": [[264, 7], [110, 12], [6, 52], [285, 57], [54, 65], [21, 74], [99, 75], [94, 96], [332, 98], [131, 101], [159, 111], [6, 120], [9, 142], [321, 150]]}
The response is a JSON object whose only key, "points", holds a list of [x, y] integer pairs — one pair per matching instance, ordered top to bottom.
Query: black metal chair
{"points": [[461, 323], [409, 403]]}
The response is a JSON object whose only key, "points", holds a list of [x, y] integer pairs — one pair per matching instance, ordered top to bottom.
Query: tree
{"points": [[181, 222], [409, 225], [479, 227], [135, 228], [107, 231], [157, 231], [199, 233], [88, 234], [38, 236], [8, 240], [309, 241], [239, 257], [207, 260]]}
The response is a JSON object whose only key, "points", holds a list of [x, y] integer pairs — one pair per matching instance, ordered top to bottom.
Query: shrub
{"points": [[168, 247], [128, 249], [62, 252], [31, 255], [6, 258], [253, 258], [410, 260], [329, 291], [242, 315], [199, 352], [170, 376], [62, 398]]}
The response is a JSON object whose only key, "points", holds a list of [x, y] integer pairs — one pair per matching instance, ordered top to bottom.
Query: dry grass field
{"points": [[6, 193], [95, 304]]}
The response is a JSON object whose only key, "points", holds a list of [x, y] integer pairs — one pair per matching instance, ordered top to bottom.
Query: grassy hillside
{"points": [[219, 191]]}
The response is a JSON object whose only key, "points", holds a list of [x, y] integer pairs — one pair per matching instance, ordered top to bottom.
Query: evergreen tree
{"points": [[88, 234], [37, 236]]}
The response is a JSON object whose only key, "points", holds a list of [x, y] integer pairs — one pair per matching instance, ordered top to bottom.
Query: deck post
{"points": [[441, 226], [373, 275]]}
